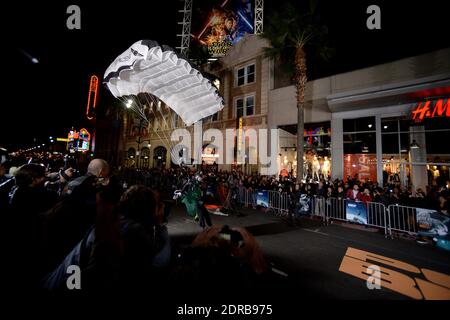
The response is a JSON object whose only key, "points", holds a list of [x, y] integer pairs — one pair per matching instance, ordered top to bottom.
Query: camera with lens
{"points": [[233, 236]]}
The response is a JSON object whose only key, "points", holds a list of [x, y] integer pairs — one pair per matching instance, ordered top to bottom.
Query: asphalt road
{"points": [[307, 258]]}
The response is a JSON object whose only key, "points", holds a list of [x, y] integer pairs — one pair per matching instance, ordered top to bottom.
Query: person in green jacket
{"points": [[192, 197]]}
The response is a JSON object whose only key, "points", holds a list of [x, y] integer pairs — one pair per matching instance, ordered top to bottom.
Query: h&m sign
{"points": [[431, 109]]}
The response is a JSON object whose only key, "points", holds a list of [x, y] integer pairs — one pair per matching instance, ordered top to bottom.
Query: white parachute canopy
{"points": [[148, 68]]}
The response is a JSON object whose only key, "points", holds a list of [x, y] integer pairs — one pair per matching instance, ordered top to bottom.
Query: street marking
{"points": [[316, 231], [356, 262], [284, 274]]}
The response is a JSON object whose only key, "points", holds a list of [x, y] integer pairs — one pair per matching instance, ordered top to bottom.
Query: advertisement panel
{"points": [[220, 24], [364, 166], [262, 198], [304, 204], [356, 211], [432, 224]]}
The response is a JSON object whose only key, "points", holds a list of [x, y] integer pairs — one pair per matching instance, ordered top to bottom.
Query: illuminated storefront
{"points": [[406, 145], [317, 151]]}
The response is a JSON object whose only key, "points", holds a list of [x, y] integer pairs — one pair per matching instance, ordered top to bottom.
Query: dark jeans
{"points": [[203, 215]]}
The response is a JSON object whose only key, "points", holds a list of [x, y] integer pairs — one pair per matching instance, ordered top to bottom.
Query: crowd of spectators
{"points": [[435, 197], [113, 223], [114, 230]]}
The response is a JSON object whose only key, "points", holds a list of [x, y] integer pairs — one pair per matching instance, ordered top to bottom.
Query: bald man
{"points": [[98, 170]]}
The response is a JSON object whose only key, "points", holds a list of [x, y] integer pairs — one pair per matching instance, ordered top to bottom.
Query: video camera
{"points": [[232, 236]]}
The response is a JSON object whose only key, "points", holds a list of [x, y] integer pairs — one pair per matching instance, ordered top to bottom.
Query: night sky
{"points": [[48, 98]]}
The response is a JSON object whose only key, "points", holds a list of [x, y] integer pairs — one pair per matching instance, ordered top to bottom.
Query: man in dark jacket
{"points": [[28, 201], [67, 223]]}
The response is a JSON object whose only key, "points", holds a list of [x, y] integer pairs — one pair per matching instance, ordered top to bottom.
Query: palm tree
{"points": [[290, 33]]}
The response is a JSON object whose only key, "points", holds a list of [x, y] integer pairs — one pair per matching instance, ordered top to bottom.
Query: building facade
{"points": [[388, 123]]}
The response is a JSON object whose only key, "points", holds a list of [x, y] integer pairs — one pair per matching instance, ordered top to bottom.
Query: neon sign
{"points": [[93, 89], [431, 109], [78, 141]]}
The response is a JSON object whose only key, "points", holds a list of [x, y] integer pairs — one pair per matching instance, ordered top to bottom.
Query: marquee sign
{"points": [[431, 109]]}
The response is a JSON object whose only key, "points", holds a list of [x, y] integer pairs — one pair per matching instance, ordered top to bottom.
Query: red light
{"points": [[93, 89]]}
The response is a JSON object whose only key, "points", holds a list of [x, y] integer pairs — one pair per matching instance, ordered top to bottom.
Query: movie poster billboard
{"points": [[220, 24], [364, 166], [262, 198], [304, 204], [356, 211], [432, 224]]}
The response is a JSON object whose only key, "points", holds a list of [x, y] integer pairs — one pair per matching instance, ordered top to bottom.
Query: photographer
{"points": [[97, 172], [58, 181], [68, 221], [221, 254]]}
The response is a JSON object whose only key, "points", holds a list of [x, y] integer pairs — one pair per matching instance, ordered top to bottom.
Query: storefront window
{"points": [[359, 124], [389, 126], [437, 142], [355, 143], [317, 151], [415, 154], [317, 158], [360, 160]]}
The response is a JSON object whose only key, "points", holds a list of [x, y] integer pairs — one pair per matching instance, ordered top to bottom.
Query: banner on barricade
{"points": [[262, 198], [304, 204], [356, 211], [433, 224]]}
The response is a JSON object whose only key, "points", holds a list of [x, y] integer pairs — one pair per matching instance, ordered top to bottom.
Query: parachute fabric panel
{"points": [[147, 67]]}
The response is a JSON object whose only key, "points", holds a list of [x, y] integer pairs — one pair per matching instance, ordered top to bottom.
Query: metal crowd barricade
{"points": [[243, 196], [246, 197], [251, 198], [274, 200], [279, 202], [318, 207], [284, 209], [335, 209], [377, 216], [393, 218], [402, 219]]}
